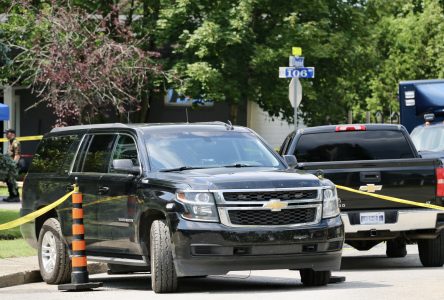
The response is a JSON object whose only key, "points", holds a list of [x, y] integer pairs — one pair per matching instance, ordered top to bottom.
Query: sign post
{"points": [[295, 71]]}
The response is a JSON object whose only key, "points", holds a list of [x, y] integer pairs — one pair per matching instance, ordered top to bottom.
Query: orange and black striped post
{"points": [[79, 274]]}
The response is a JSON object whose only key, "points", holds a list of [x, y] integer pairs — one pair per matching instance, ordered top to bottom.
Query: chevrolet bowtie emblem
{"points": [[370, 188], [275, 205]]}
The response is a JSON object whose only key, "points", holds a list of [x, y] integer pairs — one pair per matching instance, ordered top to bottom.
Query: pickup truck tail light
{"points": [[350, 128], [440, 182]]}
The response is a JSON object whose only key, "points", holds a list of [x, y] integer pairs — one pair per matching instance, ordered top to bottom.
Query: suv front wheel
{"points": [[54, 262], [163, 273], [309, 277]]}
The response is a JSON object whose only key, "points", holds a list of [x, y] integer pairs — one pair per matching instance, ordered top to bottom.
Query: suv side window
{"points": [[287, 142], [125, 149], [55, 154], [98, 154]]}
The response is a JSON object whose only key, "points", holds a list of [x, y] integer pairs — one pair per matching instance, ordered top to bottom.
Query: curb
{"points": [[34, 275]]}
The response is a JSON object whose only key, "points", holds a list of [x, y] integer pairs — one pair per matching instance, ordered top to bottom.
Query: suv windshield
{"points": [[428, 138], [191, 150]]}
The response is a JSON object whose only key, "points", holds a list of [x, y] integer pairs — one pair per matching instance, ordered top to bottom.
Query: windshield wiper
{"points": [[241, 166], [183, 168]]}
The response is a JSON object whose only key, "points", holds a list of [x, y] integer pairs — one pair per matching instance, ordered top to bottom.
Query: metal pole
{"points": [[295, 94]]}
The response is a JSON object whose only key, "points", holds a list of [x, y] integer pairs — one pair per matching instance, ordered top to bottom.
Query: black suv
{"points": [[180, 200]]}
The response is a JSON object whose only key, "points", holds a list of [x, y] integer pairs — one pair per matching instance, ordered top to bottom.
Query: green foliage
{"points": [[409, 47], [232, 50], [8, 168]]}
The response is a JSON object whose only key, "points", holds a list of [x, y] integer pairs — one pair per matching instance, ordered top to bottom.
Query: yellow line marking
{"points": [[25, 138], [35, 214]]}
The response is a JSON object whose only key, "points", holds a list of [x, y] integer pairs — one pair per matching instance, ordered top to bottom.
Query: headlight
{"points": [[199, 206], [330, 207]]}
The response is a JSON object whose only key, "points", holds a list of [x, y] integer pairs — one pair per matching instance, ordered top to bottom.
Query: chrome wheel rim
{"points": [[49, 252]]}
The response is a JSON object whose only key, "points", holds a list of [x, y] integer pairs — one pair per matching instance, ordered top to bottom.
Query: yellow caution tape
{"points": [[25, 138], [393, 199], [34, 215]]}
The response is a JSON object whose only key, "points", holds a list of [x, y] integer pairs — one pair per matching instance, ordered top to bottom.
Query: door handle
{"points": [[370, 177], [103, 190]]}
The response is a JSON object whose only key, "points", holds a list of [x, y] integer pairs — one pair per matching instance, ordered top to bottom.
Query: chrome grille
{"points": [[268, 195], [256, 207], [267, 217]]}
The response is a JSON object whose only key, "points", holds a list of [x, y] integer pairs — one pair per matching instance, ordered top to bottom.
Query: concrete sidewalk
{"points": [[21, 270]]}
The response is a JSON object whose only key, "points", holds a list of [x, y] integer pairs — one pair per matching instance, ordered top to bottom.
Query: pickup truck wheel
{"points": [[396, 248], [431, 252], [54, 262], [163, 273], [309, 277]]}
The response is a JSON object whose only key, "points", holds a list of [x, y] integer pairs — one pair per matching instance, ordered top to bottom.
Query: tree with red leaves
{"points": [[78, 63]]}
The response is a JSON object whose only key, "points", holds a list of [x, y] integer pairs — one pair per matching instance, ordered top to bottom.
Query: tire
{"points": [[396, 248], [431, 252], [54, 262], [163, 273], [309, 277]]}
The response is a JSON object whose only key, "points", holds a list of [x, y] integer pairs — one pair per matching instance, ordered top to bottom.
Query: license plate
{"points": [[372, 218]]}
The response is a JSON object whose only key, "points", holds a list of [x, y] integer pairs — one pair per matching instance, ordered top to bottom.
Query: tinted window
{"points": [[428, 138], [288, 140], [352, 145], [126, 149], [208, 150], [99, 153], [55, 154]]}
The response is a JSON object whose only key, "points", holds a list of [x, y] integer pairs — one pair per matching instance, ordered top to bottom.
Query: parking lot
{"points": [[369, 275]]}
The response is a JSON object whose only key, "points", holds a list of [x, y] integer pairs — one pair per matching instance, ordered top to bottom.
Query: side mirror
{"points": [[291, 160], [125, 166]]}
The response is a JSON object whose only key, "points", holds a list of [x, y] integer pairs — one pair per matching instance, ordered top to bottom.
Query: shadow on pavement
{"points": [[380, 262], [229, 284]]}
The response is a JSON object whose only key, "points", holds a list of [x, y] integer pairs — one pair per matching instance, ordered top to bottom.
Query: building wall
{"points": [[273, 130]]}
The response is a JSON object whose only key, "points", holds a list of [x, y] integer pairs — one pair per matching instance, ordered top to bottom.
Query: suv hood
{"points": [[238, 178]]}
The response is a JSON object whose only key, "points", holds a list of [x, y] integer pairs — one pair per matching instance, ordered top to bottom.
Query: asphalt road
{"points": [[370, 275]]}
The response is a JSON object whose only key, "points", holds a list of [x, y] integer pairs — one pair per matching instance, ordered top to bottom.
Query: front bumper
{"points": [[403, 220], [211, 248]]}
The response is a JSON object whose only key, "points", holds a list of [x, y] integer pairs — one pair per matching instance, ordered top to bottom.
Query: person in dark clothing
{"points": [[14, 154]]}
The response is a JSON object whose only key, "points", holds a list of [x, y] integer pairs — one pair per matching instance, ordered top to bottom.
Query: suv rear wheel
{"points": [[396, 248], [431, 252], [54, 262], [163, 273], [309, 277]]}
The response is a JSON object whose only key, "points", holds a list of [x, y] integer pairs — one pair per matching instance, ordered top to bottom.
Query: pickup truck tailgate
{"points": [[410, 179]]}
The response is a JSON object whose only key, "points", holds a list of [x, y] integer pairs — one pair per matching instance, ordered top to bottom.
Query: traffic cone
{"points": [[79, 274]]}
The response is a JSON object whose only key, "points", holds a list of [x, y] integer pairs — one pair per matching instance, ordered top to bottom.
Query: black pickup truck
{"points": [[377, 159], [180, 200]]}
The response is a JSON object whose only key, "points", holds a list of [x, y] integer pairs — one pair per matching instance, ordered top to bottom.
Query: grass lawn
{"points": [[4, 191], [6, 216], [11, 242], [16, 248]]}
